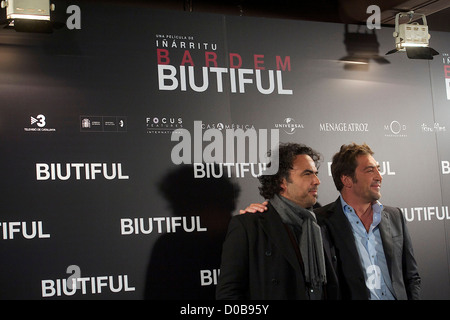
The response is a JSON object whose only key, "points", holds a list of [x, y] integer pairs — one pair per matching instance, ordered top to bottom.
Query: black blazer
{"points": [[396, 244], [260, 262]]}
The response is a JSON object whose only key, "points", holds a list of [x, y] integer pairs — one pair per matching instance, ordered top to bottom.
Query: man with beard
{"points": [[372, 244], [280, 254]]}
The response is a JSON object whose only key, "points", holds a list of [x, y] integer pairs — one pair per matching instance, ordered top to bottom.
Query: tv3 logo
{"points": [[39, 120]]}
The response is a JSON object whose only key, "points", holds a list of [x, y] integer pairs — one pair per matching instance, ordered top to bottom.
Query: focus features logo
{"points": [[163, 124]]}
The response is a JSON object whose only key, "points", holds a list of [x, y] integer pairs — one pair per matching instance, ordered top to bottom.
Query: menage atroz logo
{"points": [[187, 74], [344, 127], [189, 150]]}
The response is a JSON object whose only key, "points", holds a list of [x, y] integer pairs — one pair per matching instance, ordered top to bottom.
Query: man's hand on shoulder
{"points": [[255, 207]]}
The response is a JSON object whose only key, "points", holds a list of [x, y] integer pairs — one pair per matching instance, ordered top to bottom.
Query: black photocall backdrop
{"points": [[86, 118]]}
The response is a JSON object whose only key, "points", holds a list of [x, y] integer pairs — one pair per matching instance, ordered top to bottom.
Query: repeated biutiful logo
{"points": [[385, 168], [80, 171], [426, 213], [160, 225], [13, 230], [80, 284]]}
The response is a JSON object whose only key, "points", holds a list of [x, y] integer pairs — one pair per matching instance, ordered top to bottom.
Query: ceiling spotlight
{"points": [[29, 15], [412, 37]]}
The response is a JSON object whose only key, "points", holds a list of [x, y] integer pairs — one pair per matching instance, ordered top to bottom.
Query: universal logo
{"points": [[38, 124], [103, 124], [163, 124], [289, 125], [395, 130]]}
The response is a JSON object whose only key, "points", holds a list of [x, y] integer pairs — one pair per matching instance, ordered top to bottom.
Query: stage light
{"points": [[29, 15], [412, 37]]}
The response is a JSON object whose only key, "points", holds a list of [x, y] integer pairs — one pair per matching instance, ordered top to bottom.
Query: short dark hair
{"points": [[344, 162], [271, 184]]}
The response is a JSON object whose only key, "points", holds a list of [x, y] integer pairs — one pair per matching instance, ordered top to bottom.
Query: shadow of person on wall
{"points": [[185, 264]]}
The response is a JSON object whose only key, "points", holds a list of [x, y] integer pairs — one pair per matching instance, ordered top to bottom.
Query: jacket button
{"points": [[268, 253], [275, 282]]}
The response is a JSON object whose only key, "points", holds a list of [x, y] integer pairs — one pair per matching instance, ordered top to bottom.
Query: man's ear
{"points": [[347, 181], [283, 186]]}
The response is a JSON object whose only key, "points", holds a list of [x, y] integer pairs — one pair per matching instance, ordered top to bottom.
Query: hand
{"points": [[255, 207]]}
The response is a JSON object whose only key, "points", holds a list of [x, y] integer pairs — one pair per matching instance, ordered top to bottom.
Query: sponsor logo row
{"points": [[288, 125]]}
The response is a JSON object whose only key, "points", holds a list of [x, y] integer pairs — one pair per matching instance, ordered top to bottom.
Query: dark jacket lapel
{"points": [[340, 230], [386, 238]]}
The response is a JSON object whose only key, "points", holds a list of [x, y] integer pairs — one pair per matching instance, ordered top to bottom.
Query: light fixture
{"points": [[28, 15], [412, 37]]}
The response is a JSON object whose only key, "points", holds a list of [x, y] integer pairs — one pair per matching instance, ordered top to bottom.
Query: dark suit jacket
{"points": [[396, 244], [260, 262]]}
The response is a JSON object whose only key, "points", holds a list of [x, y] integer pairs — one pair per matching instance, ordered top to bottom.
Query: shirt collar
{"points": [[349, 211]]}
